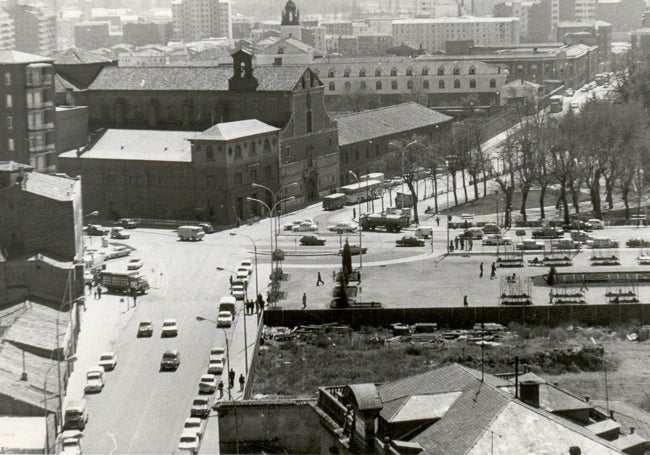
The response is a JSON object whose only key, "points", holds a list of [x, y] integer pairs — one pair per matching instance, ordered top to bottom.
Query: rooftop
{"points": [[456, 20], [76, 56], [8, 57], [400, 118], [235, 130], [13, 166], [50, 186], [23, 434]]}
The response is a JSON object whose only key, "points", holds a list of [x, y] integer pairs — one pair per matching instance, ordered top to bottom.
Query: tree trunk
{"points": [[475, 179], [484, 182], [453, 183], [464, 185], [609, 187], [435, 190], [594, 193], [509, 194], [542, 195], [625, 195], [524, 197], [575, 198], [414, 201], [565, 201]]}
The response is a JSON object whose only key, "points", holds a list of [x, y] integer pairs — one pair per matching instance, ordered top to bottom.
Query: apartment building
{"points": [[194, 20], [34, 27], [7, 32], [433, 34]]}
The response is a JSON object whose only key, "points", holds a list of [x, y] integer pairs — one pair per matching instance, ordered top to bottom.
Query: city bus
{"points": [[556, 103], [362, 191], [334, 201]]}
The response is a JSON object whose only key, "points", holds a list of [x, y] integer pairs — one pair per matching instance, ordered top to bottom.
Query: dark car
{"points": [[127, 223], [579, 225], [207, 228], [96, 230], [548, 233], [311, 240], [409, 240], [638, 243], [354, 249], [145, 329], [171, 359]]}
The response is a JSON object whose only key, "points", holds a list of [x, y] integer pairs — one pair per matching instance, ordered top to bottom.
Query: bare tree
{"points": [[503, 171]]}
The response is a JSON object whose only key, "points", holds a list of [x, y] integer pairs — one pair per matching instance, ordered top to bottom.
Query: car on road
{"points": [[127, 223], [596, 223], [579, 225], [289, 226], [305, 226], [207, 227], [340, 228], [491, 228], [96, 230], [548, 232], [119, 233], [473, 233], [581, 236], [496, 239], [311, 240], [409, 240], [603, 242], [637, 243], [529, 244], [354, 250], [117, 252], [134, 264], [246, 264], [88, 277], [241, 277], [238, 291], [224, 319], [169, 328], [145, 329], [217, 351], [171, 359], [108, 360], [215, 365], [94, 380], [207, 383], [200, 407], [194, 425], [71, 442], [189, 442]]}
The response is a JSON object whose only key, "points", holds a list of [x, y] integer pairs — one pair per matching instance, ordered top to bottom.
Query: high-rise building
{"points": [[534, 17], [194, 20], [34, 26], [7, 32], [27, 115]]}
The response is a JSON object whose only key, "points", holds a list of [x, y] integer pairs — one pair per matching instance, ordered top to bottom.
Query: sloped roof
{"points": [[291, 42], [76, 56], [9, 57], [387, 63], [195, 78], [61, 84], [385, 121], [235, 130], [142, 145], [50, 186], [37, 327], [365, 396], [424, 407], [627, 415], [603, 426], [629, 441]]}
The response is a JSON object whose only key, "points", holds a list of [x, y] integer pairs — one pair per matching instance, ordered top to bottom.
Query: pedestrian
{"points": [[354, 213], [438, 221], [456, 242], [462, 243], [470, 244], [451, 246], [480, 267], [493, 273], [333, 275], [230, 278], [319, 281], [90, 287], [99, 292], [95, 294], [135, 297], [304, 300], [465, 301], [231, 378], [242, 380], [220, 387]]}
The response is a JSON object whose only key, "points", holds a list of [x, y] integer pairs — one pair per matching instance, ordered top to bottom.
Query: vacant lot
{"points": [[570, 356]]}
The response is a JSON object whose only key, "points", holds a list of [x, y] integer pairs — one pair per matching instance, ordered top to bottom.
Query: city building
{"points": [[438, 8], [534, 17], [194, 20], [290, 23], [34, 26], [337, 27], [7, 32], [142, 32], [598, 33], [95, 34], [432, 34], [315, 37], [640, 40], [374, 44], [346, 45], [287, 51], [79, 66], [430, 81], [195, 98], [27, 110], [364, 136], [450, 410]]}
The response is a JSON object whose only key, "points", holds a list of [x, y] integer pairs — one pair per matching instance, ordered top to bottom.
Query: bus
{"points": [[556, 103], [362, 191], [334, 201]]}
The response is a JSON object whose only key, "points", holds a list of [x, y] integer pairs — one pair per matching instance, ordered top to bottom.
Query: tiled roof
{"points": [[291, 42], [75, 56], [9, 57], [386, 64], [183, 78], [61, 84], [401, 118], [234, 130], [140, 145], [50, 186], [37, 327], [627, 415]]}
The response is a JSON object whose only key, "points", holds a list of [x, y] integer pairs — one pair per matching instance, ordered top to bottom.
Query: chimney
{"points": [[529, 392], [587, 398], [611, 414], [632, 430], [575, 450]]}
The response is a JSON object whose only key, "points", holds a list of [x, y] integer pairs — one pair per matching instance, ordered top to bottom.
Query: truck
{"points": [[392, 223], [191, 233], [124, 281]]}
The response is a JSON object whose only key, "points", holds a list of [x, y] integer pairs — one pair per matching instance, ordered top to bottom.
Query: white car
{"points": [[596, 223], [289, 226], [305, 226], [342, 227], [496, 239], [117, 252], [135, 264], [246, 264], [242, 276], [238, 291], [224, 319], [169, 328], [217, 351], [108, 360], [215, 366], [94, 380], [207, 383], [200, 407], [194, 425], [71, 442], [189, 442]]}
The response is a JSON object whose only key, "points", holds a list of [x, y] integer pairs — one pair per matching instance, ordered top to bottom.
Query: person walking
{"points": [[354, 212], [437, 221], [456, 242], [462, 243], [470, 244], [451, 246], [480, 267], [493, 273], [319, 281], [90, 287], [99, 292], [135, 297], [304, 300], [465, 304], [231, 378], [242, 381], [220, 387]]}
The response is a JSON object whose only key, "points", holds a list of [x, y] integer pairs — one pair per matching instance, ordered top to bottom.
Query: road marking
{"points": [[144, 414], [112, 436]]}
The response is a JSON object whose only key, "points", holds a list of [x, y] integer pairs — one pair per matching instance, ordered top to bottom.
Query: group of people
{"points": [[461, 243], [493, 271], [254, 306], [231, 382]]}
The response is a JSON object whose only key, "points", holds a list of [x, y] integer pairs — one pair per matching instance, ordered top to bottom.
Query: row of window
{"points": [[409, 71], [409, 85], [251, 146], [239, 177]]}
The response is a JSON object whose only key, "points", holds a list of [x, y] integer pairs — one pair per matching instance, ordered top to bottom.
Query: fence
{"points": [[251, 370]]}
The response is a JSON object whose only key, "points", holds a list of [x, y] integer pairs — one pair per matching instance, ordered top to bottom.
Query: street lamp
{"points": [[397, 144], [275, 195], [271, 212], [93, 213], [359, 222], [225, 334], [60, 411]]}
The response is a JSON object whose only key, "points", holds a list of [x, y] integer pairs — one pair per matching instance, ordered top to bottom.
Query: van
{"points": [[424, 232], [191, 233], [227, 303], [75, 415]]}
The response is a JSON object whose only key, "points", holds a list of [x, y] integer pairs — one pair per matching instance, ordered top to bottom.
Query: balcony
{"points": [[41, 105], [41, 127], [42, 148]]}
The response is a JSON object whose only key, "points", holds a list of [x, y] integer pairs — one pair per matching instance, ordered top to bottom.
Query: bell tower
{"points": [[290, 25], [242, 79]]}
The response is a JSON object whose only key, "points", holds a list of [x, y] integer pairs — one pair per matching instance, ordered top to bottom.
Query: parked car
{"points": [[127, 223], [596, 223], [579, 225], [289, 226], [305, 226], [207, 227], [340, 228], [491, 228], [96, 230], [548, 232], [119, 233], [473, 233], [581, 236], [496, 239], [311, 240], [409, 240], [603, 242], [638, 243], [565, 244], [530, 245], [354, 250], [117, 252], [134, 264], [246, 264], [88, 276], [238, 291], [224, 319], [169, 328], [145, 329], [217, 351], [171, 359], [108, 360], [215, 365], [94, 380], [207, 383], [200, 407], [193, 424], [71, 442], [189, 442]]}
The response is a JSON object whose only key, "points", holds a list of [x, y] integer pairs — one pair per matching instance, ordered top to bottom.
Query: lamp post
{"points": [[396, 144], [274, 196], [359, 223], [225, 334], [60, 411]]}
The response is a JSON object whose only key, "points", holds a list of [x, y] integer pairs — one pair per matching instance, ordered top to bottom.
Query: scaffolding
{"points": [[559, 254], [509, 256], [605, 256], [644, 257], [515, 290], [626, 290], [568, 295]]}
